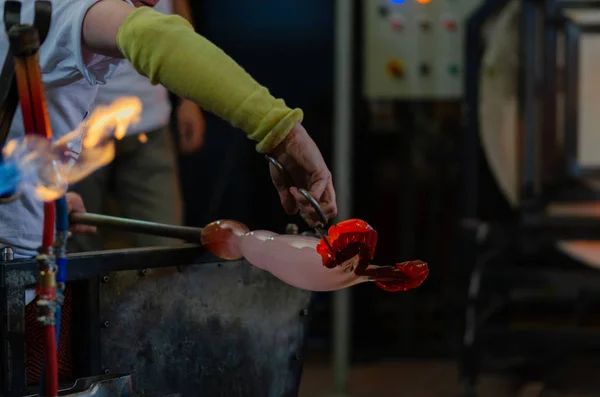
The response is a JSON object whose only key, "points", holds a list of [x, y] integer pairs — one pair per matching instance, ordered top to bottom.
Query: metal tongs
{"points": [[320, 227]]}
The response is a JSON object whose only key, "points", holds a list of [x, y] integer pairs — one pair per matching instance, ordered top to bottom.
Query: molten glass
{"points": [[33, 163], [222, 238], [355, 238], [348, 239], [306, 262]]}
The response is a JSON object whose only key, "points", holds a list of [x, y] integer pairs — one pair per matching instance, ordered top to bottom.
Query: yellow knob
{"points": [[395, 68]]}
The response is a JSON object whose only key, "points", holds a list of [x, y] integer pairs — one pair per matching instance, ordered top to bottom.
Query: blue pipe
{"points": [[10, 179], [62, 215], [62, 228]]}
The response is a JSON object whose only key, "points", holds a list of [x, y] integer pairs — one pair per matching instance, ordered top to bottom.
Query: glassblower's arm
{"points": [[167, 50]]}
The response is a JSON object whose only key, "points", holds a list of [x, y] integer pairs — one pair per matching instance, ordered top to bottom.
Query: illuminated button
{"points": [[424, 1], [397, 21], [449, 23], [395, 68], [453, 69]]}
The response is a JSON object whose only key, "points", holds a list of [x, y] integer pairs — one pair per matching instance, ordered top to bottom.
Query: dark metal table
{"points": [[177, 319]]}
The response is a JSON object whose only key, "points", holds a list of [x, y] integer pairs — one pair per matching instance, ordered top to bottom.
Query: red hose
{"points": [[36, 121], [49, 221], [51, 362], [51, 370]]}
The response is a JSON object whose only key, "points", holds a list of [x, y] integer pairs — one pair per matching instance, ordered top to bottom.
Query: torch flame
{"points": [[116, 117], [50, 168]]}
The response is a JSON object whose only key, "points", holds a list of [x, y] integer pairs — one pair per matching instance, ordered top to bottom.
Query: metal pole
{"points": [[342, 176], [190, 234]]}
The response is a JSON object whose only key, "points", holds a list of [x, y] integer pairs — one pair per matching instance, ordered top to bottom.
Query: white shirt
{"points": [[70, 85], [156, 107]]}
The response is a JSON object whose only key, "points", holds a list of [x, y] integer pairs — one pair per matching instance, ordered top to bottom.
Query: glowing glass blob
{"points": [[32, 163], [222, 238], [306, 262]]}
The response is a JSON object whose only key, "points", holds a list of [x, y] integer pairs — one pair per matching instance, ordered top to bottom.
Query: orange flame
{"points": [[116, 117], [58, 166]]}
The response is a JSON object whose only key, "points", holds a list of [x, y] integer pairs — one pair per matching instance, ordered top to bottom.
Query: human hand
{"points": [[191, 124], [301, 158], [75, 205]]}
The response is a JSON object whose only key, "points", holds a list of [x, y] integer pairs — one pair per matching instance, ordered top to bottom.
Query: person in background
{"points": [[143, 178]]}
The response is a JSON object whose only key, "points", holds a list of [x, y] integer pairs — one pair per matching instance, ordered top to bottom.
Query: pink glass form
{"points": [[222, 238], [307, 262]]}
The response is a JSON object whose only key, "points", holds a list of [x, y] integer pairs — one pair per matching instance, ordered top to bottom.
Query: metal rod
{"points": [[342, 175], [312, 201], [190, 234]]}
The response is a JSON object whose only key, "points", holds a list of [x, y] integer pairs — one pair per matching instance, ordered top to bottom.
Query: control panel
{"points": [[414, 49]]}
